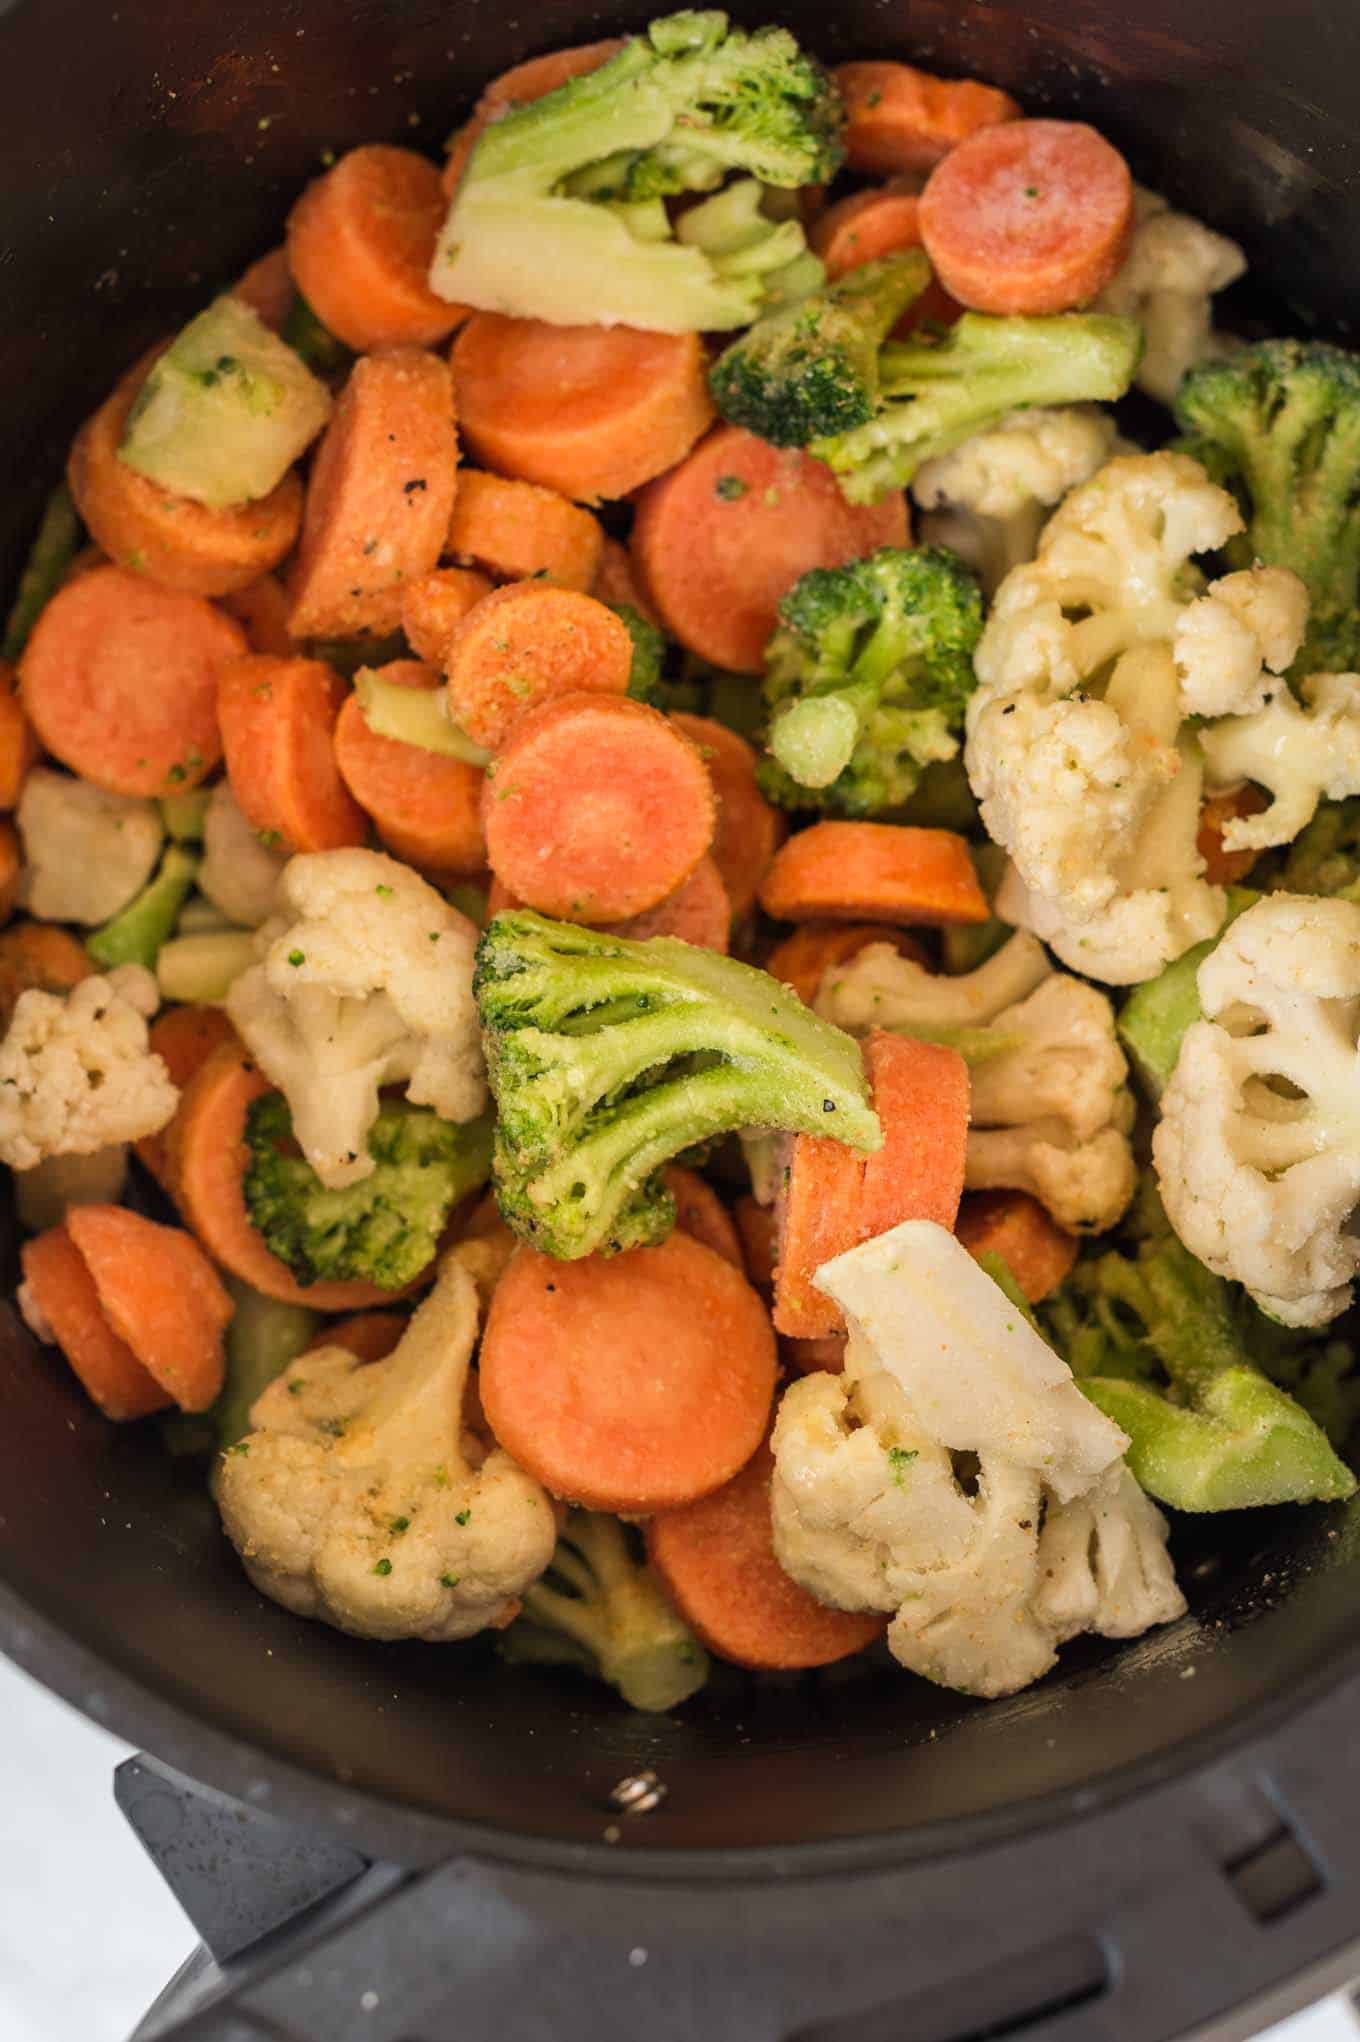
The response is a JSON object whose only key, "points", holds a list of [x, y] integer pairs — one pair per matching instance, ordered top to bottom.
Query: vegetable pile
{"points": [[681, 953]]}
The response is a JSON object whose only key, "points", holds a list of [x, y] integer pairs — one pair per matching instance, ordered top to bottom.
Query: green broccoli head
{"points": [[560, 214], [810, 370], [936, 390], [1279, 424], [867, 678], [1325, 857], [608, 1058], [386, 1228], [600, 1608]]}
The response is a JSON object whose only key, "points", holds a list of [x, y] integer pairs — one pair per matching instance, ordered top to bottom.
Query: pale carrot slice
{"points": [[900, 119], [1028, 217], [866, 226], [360, 243], [268, 288], [591, 411], [379, 498], [514, 531], [727, 532], [171, 539], [615, 582], [433, 608], [262, 610], [529, 644], [119, 681], [277, 718], [18, 742], [426, 808], [597, 809], [749, 830], [1221, 866], [873, 871], [698, 912], [38, 954], [803, 959], [184, 1038], [920, 1092], [700, 1213], [816, 1216], [755, 1225], [1015, 1226], [63, 1290], [160, 1294], [369, 1336], [628, 1382], [717, 1563]]}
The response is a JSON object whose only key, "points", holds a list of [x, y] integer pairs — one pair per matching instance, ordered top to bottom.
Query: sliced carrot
{"points": [[538, 76], [900, 119], [1028, 217], [867, 225], [360, 243], [268, 288], [591, 411], [379, 498], [515, 530], [724, 535], [171, 539], [615, 582], [433, 608], [262, 611], [529, 644], [120, 681], [277, 718], [18, 743], [425, 808], [597, 809], [749, 830], [10, 866], [1221, 866], [874, 871], [698, 912], [39, 955], [803, 959], [184, 1038], [920, 1092], [208, 1159], [700, 1213], [816, 1216], [755, 1225], [1015, 1226], [63, 1290], [160, 1293], [369, 1336], [824, 1356], [628, 1382], [717, 1563]]}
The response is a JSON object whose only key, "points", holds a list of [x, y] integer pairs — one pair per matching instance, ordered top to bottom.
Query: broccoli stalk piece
{"points": [[561, 215], [812, 369], [938, 390], [1279, 424], [54, 548], [867, 678], [645, 681], [1325, 857], [138, 932], [608, 1057], [387, 1227], [1163, 1347], [599, 1608]]}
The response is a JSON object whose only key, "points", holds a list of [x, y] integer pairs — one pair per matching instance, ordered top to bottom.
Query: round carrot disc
{"points": [[360, 243], [528, 644], [278, 721], [426, 808], [749, 830], [698, 912], [699, 1211], [63, 1289], [160, 1294], [630, 1382]]}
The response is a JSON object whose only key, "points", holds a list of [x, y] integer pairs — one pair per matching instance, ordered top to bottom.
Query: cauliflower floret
{"points": [[1173, 268], [1244, 628], [1300, 751], [87, 852], [239, 874], [365, 980], [878, 988], [76, 1071], [1257, 1151], [356, 1498], [1103, 1564]]}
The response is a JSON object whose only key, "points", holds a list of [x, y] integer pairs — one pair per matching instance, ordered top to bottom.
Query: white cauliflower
{"points": [[1172, 270], [987, 499], [1244, 630], [1075, 745], [1301, 751], [86, 851], [239, 874], [365, 980], [76, 1072], [1051, 1110], [1257, 1151], [357, 1498], [1103, 1563]]}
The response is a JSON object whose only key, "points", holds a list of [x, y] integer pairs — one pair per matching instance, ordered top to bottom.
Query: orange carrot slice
{"points": [[538, 76], [900, 119], [868, 225], [360, 243], [268, 288], [515, 531], [615, 582], [433, 608], [262, 610], [529, 644], [277, 718], [18, 742], [426, 808], [749, 830], [1221, 866], [10, 867], [873, 871], [698, 912], [38, 954], [803, 959], [184, 1038], [921, 1098], [700, 1213], [816, 1216], [755, 1225], [1015, 1226], [63, 1290], [160, 1294], [369, 1336]]}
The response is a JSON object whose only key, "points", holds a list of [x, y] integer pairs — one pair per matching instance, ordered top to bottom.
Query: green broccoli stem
{"points": [[324, 355], [51, 554], [185, 815], [138, 933], [1154, 1018], [263, 1337]]}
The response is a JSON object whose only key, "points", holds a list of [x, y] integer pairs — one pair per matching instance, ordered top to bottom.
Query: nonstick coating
{"points": [[151, 151]]}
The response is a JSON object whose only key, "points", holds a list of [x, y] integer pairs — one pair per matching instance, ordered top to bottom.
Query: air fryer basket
{"points": [[151, 152]]}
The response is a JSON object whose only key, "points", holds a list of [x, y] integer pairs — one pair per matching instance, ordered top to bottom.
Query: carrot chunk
{"points": [[900, 119], [867, 226], [360, 243], [268, 288], [514, 531], [615, 582], [433, 608], [262, 610], [529, 644], [278, 720], [18, 743], [425, 808], [749, 831], [1221, 866], [873, 871], [38, 954], [803, 959], [184, 1038], [921, 1098], [700, 1213], [1015, 1226], [62, 1287], [160, 1294]]}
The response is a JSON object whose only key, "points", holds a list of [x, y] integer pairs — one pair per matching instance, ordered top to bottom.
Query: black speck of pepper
{"points": [[417, 482], [370, 547], [356, 591], [1009, 709], [828, 1106], [550, 1287]]}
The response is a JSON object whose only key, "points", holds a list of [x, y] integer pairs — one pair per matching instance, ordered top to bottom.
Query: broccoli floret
{"points": [[561, 214], [811, 370], [937, 390], [1279, 424], [866, 679], [645, 682], [1325, 857], [608, 1057], [386, 1228], [1169, 1352], [600, 1608]]}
